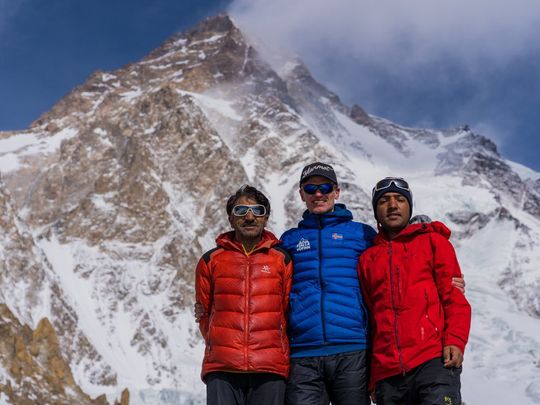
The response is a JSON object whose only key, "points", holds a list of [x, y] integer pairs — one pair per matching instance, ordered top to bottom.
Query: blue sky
{"points": [[47, 47], [419, 63]]}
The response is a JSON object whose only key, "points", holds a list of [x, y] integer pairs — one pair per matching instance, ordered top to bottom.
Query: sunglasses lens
{"points": [[401, 184], [310, 188], [324, 188], [242, 210], [258, 210]]}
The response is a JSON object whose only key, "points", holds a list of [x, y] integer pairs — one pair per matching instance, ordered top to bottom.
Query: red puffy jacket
{"points": [[246, 298], [414, 309]]}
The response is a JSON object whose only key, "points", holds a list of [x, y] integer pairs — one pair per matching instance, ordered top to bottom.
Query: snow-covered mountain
{"points": [[109, 199]]}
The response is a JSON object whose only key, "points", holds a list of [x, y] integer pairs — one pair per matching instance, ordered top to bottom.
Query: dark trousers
{"points": [[340, 378], [428, 384], [224, 388]]}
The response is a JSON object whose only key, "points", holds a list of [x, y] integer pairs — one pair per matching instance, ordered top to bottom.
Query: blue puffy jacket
{"points": [[327, 311]]}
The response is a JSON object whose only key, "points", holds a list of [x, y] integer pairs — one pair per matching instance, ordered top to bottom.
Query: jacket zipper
{"points": [[246, 313], [396, 314], [323, 324]]}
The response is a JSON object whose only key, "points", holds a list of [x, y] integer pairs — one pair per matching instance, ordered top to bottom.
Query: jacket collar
{"points": [[340, 214], [411, 231], [226, 241]]}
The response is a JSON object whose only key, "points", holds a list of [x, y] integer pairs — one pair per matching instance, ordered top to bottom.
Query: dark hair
{"points": [[251, 192]]}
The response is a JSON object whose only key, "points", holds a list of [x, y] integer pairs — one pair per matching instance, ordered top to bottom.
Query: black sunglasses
{"points": [[324, 188]]}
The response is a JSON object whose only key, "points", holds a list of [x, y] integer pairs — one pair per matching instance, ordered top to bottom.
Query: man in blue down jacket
{"points": [[328, 317]]}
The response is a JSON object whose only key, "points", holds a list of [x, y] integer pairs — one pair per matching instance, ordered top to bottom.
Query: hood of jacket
{"points": [[340, 214], [410, 231], [226, 240]]}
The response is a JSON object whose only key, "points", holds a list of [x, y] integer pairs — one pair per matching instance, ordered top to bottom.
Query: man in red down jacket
{"points": [[242, 296], [420, 323]]}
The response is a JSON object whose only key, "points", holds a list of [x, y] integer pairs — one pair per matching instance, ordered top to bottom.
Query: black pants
{"points": [[340, 378], [428, 384], [244, 389]]}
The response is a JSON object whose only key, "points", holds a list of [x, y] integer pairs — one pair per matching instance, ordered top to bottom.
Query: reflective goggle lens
{"points": [[387, 182], [323, 188], [242, 210]]}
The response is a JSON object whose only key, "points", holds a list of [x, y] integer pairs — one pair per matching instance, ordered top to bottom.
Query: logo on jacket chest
{"points": [[337, 236], [302, 245], [265, 269]]}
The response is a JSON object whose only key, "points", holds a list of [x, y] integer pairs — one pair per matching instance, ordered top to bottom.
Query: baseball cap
{"points": [[318, 169]]}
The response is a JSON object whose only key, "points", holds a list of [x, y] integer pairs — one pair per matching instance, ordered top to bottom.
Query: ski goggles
{"points": [[387, 182], [324, 188], [241, 210]]}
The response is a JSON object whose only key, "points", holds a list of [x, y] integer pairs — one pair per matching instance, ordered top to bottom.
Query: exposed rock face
{"points": [[359, 116], [110, 198], [19, 260], [31, 288], [34, 370]]}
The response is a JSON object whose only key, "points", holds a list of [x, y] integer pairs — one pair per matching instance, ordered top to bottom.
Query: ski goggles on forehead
{"points": [[387, 182], [324, 188], [241, 210]]}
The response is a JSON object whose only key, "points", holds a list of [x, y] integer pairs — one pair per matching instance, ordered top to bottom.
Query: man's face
{"points": [[319, 203], [393, 212], [248, 228]]}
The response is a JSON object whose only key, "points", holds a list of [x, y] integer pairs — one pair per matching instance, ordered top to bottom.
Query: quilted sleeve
{"points": [[203, 294], [457, 310]]}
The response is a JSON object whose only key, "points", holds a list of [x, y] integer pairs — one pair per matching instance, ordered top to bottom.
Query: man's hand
{"points": [[459, 283], [199, 312], [453, 357]]}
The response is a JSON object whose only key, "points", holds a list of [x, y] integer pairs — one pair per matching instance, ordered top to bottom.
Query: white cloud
{"points": [[418, 30], [415, 61]]}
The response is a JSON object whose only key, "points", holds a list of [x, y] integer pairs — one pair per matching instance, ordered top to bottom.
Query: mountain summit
{"points": [[109, 199]]}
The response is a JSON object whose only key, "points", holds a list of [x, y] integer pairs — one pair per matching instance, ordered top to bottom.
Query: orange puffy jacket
{"points": [[246, 299], [415, 311]]}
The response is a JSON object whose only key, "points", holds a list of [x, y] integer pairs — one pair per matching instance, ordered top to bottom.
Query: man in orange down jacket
{"points": [[242, 295], [420, 323]]}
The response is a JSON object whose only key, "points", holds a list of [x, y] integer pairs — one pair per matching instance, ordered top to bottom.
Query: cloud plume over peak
{"points": [[423, 28], [419, 61]]}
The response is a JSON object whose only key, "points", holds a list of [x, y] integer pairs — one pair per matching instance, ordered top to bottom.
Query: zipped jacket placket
{"points": [[321, 284], [394, 293], [246, 312]]}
